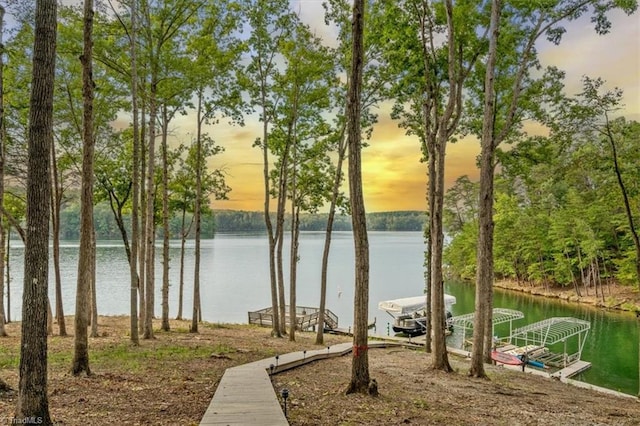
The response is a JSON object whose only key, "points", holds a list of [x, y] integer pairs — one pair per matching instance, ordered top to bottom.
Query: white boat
{"points": [[409, 313]]}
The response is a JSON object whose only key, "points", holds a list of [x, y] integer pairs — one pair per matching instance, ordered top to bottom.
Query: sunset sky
{"points": [[394, 178]]}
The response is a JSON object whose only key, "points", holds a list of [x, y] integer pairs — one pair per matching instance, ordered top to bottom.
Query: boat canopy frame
{"points": [[404, 307], [500, 316], [551, 331]]}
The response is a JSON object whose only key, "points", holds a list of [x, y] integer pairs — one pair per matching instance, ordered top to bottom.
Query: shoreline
{"points": [[616, 297]]}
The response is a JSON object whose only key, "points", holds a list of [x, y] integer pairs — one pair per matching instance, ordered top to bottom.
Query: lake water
{"points": [[234, 280]]}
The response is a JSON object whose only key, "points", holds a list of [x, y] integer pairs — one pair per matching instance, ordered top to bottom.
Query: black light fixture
{"points": [[304, 355], [277, 358], [271, 368], [285, 395]]}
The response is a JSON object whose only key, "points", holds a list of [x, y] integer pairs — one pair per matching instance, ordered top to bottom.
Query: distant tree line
{"points": [[236, 221]]}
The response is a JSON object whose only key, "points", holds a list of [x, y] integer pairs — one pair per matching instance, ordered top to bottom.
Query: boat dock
{"points": [[307, 318], [573, 369]]}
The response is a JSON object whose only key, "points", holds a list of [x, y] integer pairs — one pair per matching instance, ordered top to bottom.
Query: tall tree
{"points": [[163, 22], [271, 23], [522, 26], [214, 54], [429, 89], [590, 114], [441, 115], [2, 142], [135, 184], [183, 196], [56, 203], [86, 258], [483, 302], [195, 317], [360, 360], [32, 394]]}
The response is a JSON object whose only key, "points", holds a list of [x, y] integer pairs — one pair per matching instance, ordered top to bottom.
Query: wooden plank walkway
{"points": [[571, 370], [245, 394]]}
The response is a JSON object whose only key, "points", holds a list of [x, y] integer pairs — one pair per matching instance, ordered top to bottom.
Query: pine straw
{"points": [[170, 381]]}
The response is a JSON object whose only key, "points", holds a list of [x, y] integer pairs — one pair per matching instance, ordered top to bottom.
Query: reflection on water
{"points": [[235, 280], [611, 346]]}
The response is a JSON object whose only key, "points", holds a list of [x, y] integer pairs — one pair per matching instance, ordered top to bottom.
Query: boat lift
{"points": [[500, 316], [548, 332]]}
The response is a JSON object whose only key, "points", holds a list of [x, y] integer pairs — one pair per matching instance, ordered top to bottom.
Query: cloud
{"points": [[393, 176]]}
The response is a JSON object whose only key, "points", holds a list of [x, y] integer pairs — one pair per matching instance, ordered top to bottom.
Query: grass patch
{"points": [[222, 349]]}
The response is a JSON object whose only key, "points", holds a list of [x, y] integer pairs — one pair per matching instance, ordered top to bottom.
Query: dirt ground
{"points": [[171, 379]]}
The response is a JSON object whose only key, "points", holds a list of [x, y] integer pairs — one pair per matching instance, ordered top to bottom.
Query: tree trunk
{"points": [[445, 125], [431, 166], [283, 180], [625, 196], [56, 201], [135, 207], [197, 219], [165, 221], [143, 222], [150, 225], [295, 233], [327, 239], [183, 241], [280, 267], [293, 267], [8, 274], [94, 298], [482, 327], [276, 329], [3, 332], [81, 341], [440, 358], [360, 360], [32, 392]]}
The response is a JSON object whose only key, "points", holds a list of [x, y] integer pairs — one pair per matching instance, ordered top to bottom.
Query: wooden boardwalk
{"points": [[245, 394]]}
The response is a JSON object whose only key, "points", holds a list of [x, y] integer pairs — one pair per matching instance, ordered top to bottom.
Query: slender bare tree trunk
{"points": [[446, 122], [431, 166], [625, 197], [56, 201], [135, 207], [197, 219], [165, 221], [143, 224], [150, 225], [327, 239], [183, 240], [293, 258], [279, 261], [293, 268], [8, 274], [484, 275], [94, 298], [276, 329], [3, 332], [81, 341], [440, 358], [360, 360], [32, 393]]}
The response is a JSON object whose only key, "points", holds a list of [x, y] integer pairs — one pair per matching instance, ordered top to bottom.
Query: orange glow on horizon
{"points": [[393, 176]]}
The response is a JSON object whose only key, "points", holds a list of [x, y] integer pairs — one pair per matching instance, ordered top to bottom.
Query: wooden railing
{"points": [[306, 317]]}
